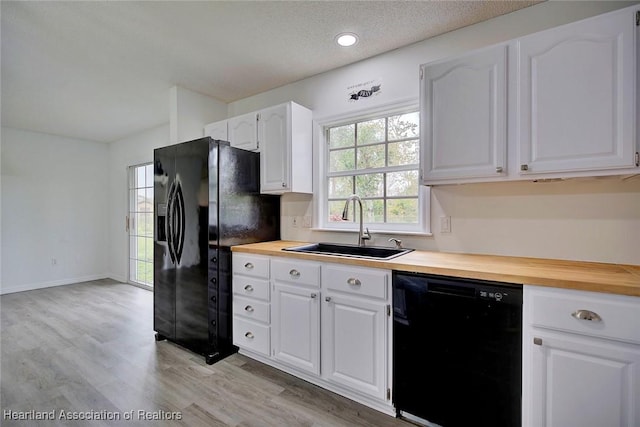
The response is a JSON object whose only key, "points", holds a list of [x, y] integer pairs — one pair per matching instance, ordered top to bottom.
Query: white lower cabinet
{"points": [[251, 309], [329, 324], [296, 327], [354, 343], [581, 361], [584, 382]]}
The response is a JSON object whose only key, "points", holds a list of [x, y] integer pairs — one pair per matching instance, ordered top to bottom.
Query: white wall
{"points": [[190, 111], [54, 205], [594, 220]]}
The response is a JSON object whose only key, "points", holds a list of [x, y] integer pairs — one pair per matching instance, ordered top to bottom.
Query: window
{"points": [[376, 158], [141, 224]]}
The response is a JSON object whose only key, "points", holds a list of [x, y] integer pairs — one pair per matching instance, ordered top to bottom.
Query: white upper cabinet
{"points": [[578, 93], [559, 103], [464, 116], [217, 130], [243, 131], [282, 135], [286, 161]]}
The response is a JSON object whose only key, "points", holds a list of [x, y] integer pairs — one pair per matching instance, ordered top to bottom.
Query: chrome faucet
{"points": [[363, 235]]}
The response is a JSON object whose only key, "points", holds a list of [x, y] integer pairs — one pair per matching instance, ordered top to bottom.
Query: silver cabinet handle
{"points": [[524, 167], [499, 169], [248, 266], [294, 273], [354, 282], [248, 288], [313, 295], [327, 299], [249, 309], [587, 315], [249, 335], [537, 341]]}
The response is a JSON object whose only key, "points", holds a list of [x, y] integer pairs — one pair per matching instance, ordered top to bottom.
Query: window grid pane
{"points": [[381, 158]]}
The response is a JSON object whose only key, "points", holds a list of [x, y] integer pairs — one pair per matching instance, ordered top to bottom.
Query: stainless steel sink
{"points": [[371, 252]]}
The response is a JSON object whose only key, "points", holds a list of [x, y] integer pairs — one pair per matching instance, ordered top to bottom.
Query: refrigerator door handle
{"points": [[180, 215], [170, 220]]}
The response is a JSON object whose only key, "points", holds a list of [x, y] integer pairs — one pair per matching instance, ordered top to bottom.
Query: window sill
{"points": [[374, 231]]}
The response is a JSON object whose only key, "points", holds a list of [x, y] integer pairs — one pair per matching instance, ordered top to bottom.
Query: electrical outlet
{"points": [[306, 221], [445, 224], [54, 262]]}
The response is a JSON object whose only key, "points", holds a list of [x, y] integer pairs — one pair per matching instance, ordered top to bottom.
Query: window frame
{"points": [[132, 225], [422, 227]]}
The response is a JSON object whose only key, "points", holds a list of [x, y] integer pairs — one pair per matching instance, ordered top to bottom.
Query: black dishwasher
{"points": [[457, 343]]}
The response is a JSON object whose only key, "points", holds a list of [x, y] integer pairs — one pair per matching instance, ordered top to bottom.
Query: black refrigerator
{"points": [[207, 199]]}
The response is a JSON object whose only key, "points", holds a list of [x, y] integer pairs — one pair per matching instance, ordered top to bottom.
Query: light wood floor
{"points": [[89, 347]]}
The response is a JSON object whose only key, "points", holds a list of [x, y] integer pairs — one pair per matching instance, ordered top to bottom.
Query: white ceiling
{"points": [[101, 70]]}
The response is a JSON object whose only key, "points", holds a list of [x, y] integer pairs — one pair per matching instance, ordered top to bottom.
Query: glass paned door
{"points": [[141, 224]]}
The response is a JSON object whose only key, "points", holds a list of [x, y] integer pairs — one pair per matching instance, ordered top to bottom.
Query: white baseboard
{"points": [[32, 286]]}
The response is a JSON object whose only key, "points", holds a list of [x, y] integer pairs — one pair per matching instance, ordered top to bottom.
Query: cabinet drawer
{"points": [[251, 265], [296, 271], [357, 281], [250, 287], [251, 309], [561, 309], [251, 335]]}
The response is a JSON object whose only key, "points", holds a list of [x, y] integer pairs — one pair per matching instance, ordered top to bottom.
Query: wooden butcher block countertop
{"points": [[586, 276]]}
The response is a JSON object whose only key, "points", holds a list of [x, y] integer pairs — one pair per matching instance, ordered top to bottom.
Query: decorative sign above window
{"points": [[364, 90]]}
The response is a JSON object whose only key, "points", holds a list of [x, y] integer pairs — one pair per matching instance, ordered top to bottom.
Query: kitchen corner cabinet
{"points": [[578, 94], [463, 107], [217, 130], [243, 131], [283, 136], [286, 161], [581, 359]]}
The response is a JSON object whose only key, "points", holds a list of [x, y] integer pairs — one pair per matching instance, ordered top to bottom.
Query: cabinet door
{"points": [[577, 95], [463, 107], [217, 130], [243, 132], [274, 135], [296, 327], [354, 343], [583, 382]]}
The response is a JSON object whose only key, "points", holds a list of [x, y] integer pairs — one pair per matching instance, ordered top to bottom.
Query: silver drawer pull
{"points": [[248, 266], [294, 273], [354, 282], [248, 288], [313, 295], [327, 299], [249, 309], [587, 315], [249, 335]]}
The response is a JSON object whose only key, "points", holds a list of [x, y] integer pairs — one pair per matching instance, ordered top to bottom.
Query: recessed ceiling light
{"points": [[346, 39]]}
